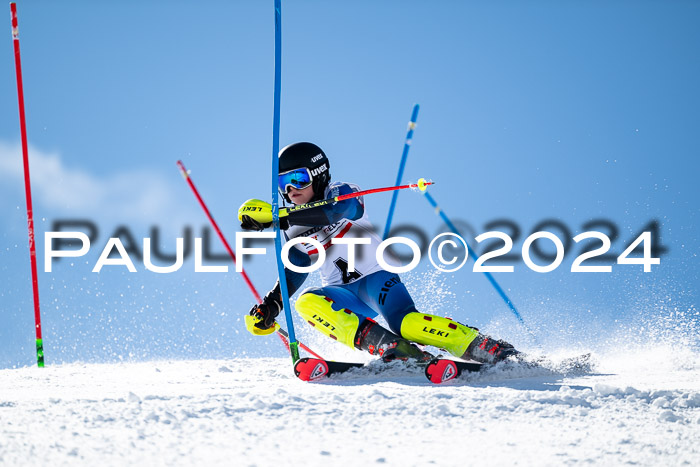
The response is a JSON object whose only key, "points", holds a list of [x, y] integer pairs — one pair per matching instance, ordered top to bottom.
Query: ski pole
{"points": [[402, 164], [185, 173], [421, 184], [27, 189], [473, 255]]}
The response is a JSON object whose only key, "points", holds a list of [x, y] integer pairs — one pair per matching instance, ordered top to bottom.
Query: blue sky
{"points": [[529, 111]]}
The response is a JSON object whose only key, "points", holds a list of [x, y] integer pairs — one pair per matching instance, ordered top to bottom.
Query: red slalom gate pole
{"points": [[186, 175], [27, 188], [280, 332]]}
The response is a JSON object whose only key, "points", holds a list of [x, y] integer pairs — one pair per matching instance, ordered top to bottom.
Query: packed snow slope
{"points": [[641, 408]]}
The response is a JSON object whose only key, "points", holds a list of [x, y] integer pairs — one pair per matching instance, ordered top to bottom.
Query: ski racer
{"points": [[345, 306]]}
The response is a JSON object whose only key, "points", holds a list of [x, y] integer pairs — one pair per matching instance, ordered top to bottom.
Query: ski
{"points": [[312, 369], [438, 370], [441, 370]]}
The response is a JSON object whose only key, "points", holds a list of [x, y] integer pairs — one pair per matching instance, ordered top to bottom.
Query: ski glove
{"points": [[255, 214], [248, 223], [268, 310]]}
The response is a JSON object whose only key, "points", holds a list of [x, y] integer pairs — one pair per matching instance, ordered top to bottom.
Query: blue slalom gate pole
{"points": [[404, 156], [472, 255], [293, 344]]}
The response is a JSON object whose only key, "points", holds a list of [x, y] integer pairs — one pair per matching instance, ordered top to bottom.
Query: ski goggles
{"points": [[297, 178]]}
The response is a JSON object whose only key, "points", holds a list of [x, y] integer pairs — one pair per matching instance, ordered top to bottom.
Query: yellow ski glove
{"points": [[256, 214]]}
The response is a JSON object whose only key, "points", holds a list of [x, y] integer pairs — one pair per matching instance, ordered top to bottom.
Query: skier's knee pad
{"points": [[340, 325], [438, 331]]}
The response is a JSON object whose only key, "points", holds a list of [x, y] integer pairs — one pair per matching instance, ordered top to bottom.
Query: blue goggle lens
{"points": [[297, 178]]}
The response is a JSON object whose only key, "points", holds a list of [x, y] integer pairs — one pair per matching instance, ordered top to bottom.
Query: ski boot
{"points": [[346, 327], [373, 338], [459, 340], [485, 349]]}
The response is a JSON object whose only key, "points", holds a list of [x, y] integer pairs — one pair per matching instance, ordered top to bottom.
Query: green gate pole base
{"points": [[294, 349], [40, 353]]}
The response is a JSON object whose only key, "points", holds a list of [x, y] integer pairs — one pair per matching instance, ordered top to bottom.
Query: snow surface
{"points": [[642, 409]]}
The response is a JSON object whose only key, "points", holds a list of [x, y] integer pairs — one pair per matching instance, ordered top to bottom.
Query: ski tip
{"points": [[310, 369], [441, 370]]}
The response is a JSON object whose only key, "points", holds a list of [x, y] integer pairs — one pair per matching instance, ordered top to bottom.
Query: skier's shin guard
{"points": [[339, 325], [438, 331]]}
